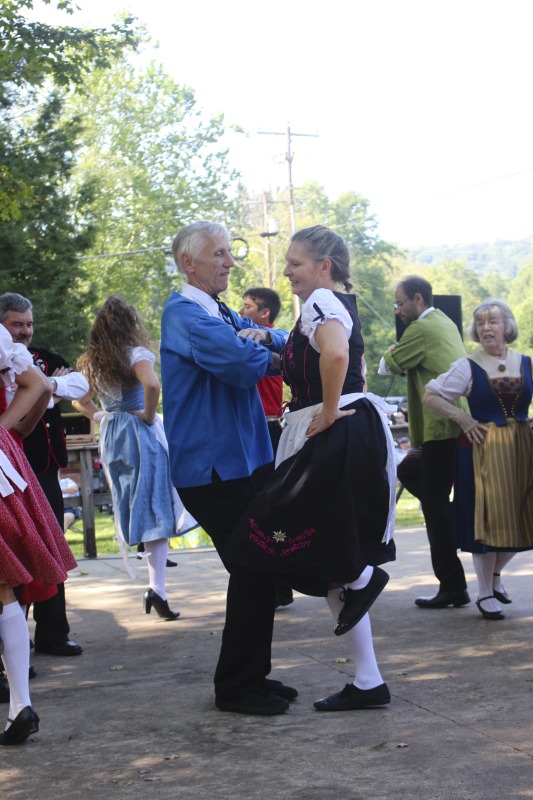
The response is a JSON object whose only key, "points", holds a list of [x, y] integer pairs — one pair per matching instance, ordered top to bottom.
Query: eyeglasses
{"points": [[400, 303]]}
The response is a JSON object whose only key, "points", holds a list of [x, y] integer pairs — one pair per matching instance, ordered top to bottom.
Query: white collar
{"points": [[202, 298], [426, 312]]}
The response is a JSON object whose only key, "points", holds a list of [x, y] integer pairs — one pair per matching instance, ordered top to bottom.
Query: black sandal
{"points": [[502, 596], [489, 614]]}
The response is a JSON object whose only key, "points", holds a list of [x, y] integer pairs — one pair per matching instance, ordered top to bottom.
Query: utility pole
{"points": [[289, 158], [267, 243]]}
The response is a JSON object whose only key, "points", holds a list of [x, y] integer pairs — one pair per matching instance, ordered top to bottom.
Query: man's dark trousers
{"points": [[427, 473], [51, 624], [245, 654]]}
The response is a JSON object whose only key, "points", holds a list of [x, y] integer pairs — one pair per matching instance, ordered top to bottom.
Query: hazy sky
{"points": [[422, 106]]}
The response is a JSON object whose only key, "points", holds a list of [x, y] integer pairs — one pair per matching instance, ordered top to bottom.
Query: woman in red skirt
{"points": [[33, 550]]}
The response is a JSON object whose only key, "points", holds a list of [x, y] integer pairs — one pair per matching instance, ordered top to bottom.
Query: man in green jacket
{"points": [[428, 346]]}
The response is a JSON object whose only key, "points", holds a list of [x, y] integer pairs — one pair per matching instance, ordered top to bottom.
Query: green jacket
{"points": [[427, 348]]}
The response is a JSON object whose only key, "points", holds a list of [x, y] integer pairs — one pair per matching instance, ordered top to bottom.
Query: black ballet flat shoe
{"points": [[502, 596], [151, 599], [358, 601], [489, 614], [351, 699], [25, 723]]}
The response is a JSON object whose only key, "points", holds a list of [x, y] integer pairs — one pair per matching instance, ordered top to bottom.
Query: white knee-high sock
{"points": [[156, 556], [502, 559], [484, 564], [362, 580], [359, 640], [16, 656]]}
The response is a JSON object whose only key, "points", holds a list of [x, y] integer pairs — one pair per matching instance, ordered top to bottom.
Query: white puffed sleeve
{"points": [[320, 307], [141, 354], [14, 358], [457, 382]]}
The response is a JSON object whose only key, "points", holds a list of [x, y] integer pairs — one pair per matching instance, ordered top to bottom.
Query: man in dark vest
{"points": [[46, 451]]}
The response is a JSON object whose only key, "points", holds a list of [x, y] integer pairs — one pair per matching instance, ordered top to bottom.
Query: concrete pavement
{"points": [[133, 717]]}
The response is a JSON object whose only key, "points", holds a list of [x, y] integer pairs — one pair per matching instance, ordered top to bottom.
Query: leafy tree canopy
{"points": [[31, 54], [158, 165], [39, 249]]}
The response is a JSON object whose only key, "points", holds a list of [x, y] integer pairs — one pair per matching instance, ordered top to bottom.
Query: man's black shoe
{"points": [[444, 599], [358, 601], [59, 648], [279, 688], [352, 698], [260, 703]]}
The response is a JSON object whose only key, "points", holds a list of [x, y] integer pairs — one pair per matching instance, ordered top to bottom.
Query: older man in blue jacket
{"points": [[211, 360]]}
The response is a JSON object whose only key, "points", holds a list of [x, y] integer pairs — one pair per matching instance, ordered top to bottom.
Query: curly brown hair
{"points": [[116, 328]]}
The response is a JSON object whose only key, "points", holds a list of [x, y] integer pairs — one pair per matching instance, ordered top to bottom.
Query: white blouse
{"points": [[320, 307], [14, 358], [457, 382]]}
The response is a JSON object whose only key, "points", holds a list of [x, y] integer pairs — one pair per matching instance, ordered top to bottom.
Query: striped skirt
{"points": [[503, 480]]}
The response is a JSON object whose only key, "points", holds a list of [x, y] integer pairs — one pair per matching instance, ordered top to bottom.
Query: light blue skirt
{"points": [[139, 471]]}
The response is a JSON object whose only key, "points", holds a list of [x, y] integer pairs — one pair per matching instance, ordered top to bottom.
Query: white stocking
{"points": [[156, 556], [502, 559], [484, 565], [362, 580], [359, 640], [16, 656]]}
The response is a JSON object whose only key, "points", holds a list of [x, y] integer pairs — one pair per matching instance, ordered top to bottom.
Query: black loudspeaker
{"points": [[449, 304]]}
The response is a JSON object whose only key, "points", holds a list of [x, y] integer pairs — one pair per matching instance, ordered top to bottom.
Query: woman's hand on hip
{"points": [[150, 420], [322, 422], [476, 434]]}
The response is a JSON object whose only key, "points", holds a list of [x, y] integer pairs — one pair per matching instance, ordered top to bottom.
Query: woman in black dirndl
{"points": [[324, 523]]}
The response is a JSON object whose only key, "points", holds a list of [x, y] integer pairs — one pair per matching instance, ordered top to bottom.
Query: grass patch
{"points": [[408, 512], [408, 515], [106, 544]]}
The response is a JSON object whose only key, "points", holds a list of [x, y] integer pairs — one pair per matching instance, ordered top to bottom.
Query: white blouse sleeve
{"points": [[320, 307], [141, 354], [14, 358], [457, 382]]}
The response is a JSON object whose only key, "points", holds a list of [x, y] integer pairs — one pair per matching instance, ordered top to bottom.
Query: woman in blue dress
{"points": [[134, 453], [493, 487]]}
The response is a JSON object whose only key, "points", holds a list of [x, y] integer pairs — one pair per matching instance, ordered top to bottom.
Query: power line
{"points": [[468, 188], [166, 250]]}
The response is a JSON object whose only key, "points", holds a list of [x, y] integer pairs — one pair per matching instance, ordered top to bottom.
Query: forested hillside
{"points": [[503, 257]]}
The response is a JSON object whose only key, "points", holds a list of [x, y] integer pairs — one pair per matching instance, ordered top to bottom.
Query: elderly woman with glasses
{"points": [[493, 489]]}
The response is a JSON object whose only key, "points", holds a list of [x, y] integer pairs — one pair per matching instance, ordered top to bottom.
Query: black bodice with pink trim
{"points": [[300, 361]]}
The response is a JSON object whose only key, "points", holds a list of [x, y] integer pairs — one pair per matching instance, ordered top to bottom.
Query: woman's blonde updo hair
{"points": [[321, 242]]}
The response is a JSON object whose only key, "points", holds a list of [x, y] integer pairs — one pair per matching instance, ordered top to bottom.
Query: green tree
{"points": [[32, 53], [157, 162], [39, 248], [371, 259], [520, 299]]}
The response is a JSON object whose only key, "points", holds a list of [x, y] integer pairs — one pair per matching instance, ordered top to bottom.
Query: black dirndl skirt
{"points": [[322, 517]]}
